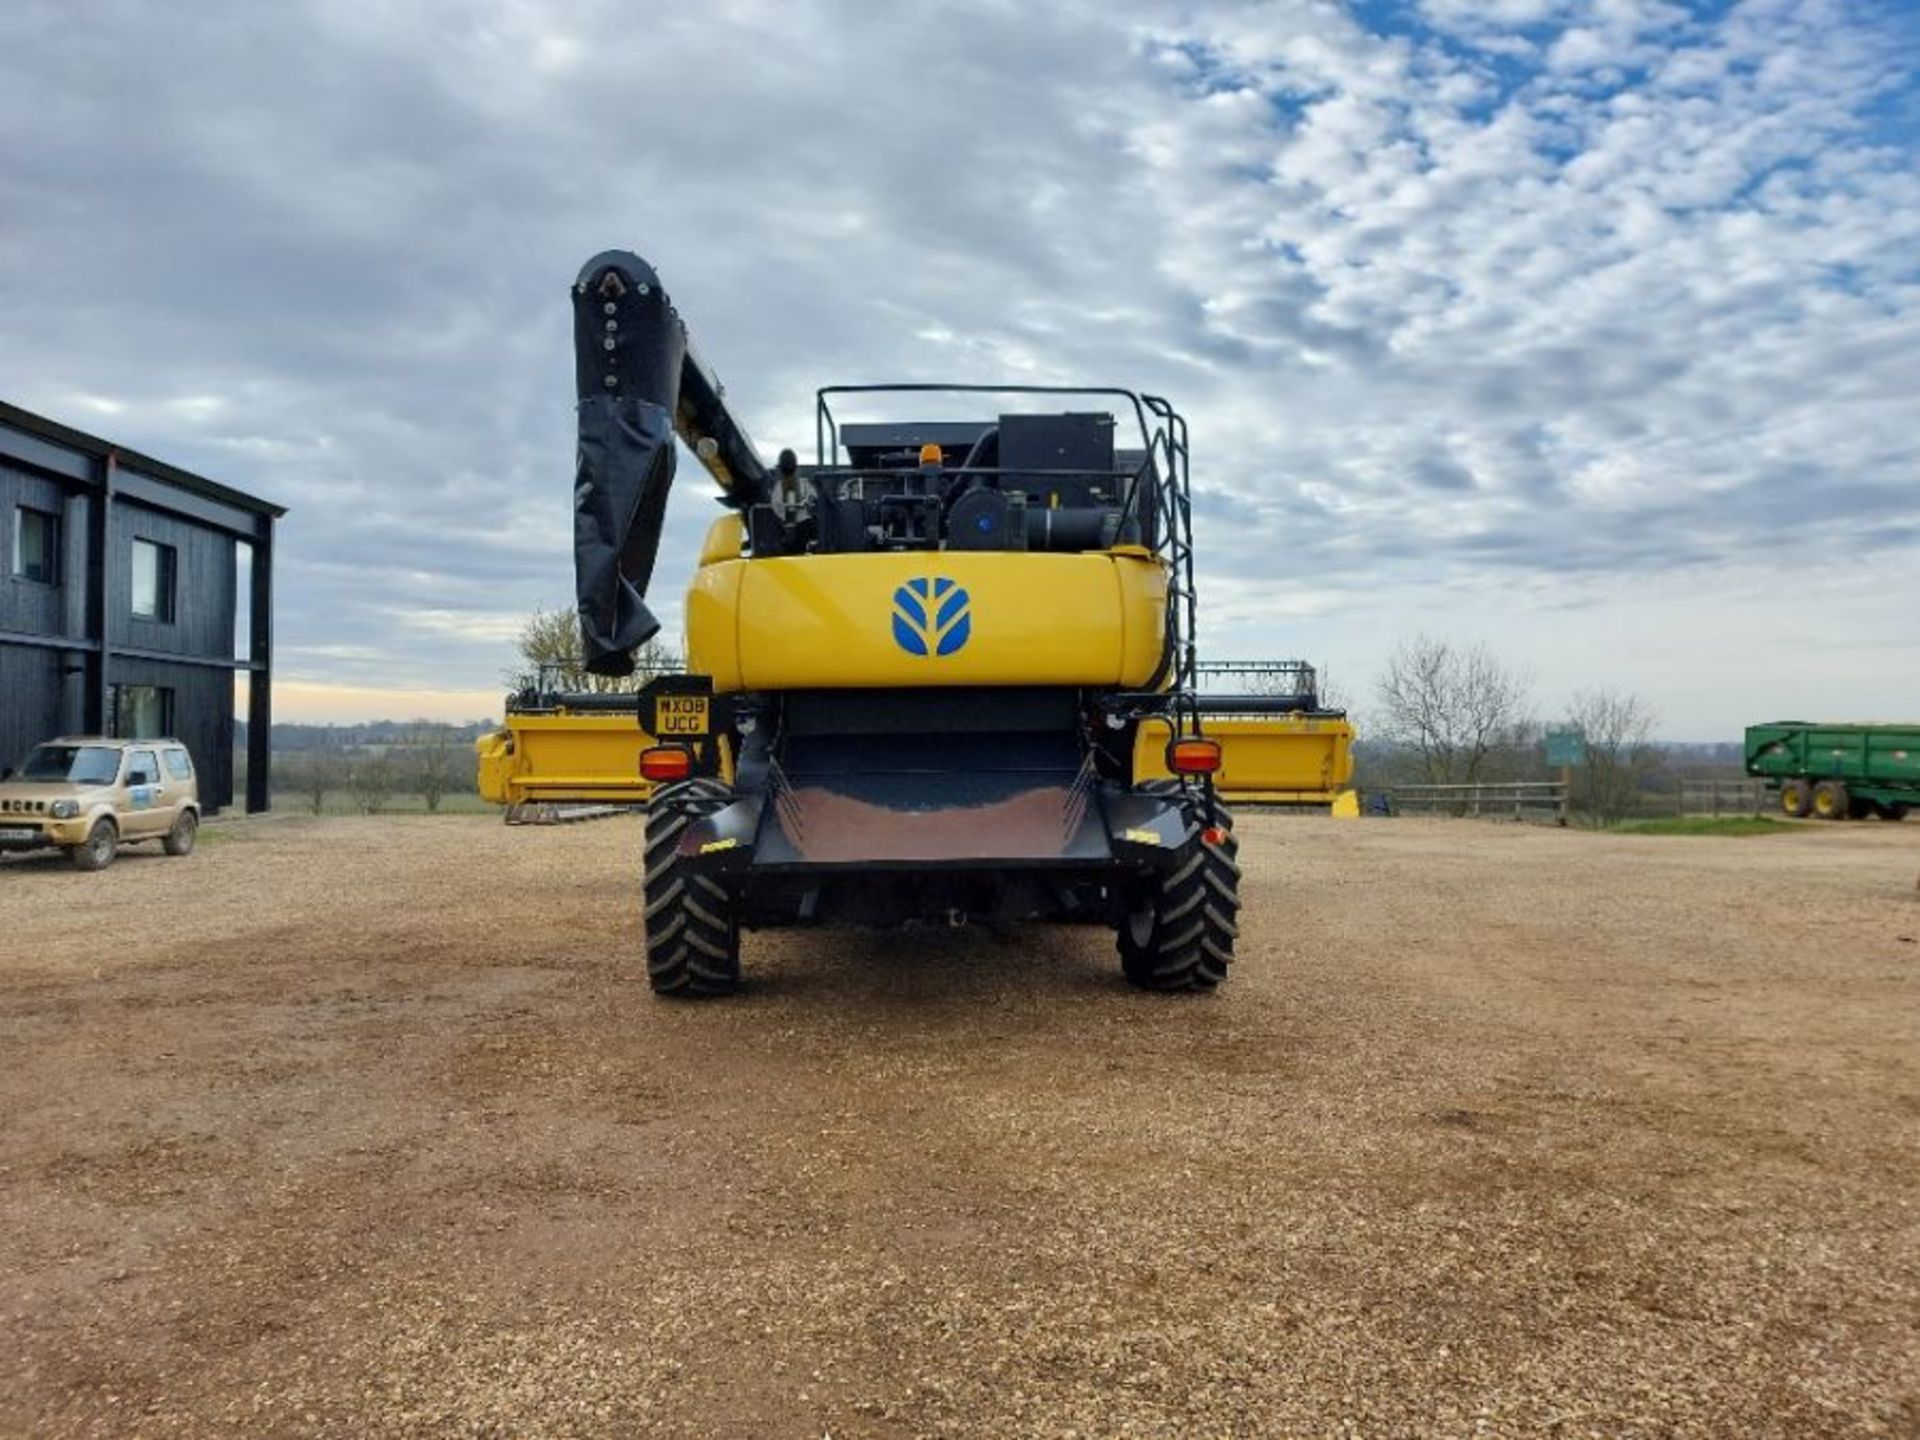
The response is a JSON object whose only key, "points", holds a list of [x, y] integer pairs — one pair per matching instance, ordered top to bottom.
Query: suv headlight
{"points": [[65, 809]]}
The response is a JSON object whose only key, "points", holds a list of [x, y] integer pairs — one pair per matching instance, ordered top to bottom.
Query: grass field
{"points": [[1720, 825]]}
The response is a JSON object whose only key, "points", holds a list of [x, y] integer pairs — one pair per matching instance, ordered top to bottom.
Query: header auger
{"points": [[919, 668]]}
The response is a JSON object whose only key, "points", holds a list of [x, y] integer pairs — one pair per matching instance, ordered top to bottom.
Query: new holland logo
{"points": [[931, 616]]}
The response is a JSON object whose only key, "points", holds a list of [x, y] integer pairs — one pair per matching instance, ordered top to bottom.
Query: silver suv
{"points": [[87, 796]]}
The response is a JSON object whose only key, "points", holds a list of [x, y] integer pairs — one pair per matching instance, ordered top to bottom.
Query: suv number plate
{"points": [[15, 833]]}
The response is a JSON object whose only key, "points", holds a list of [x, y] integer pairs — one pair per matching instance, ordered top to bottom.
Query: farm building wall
{"points": [[128, 626]]}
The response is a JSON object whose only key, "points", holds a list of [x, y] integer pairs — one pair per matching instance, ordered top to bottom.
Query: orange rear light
{"points": [[1193, 756], [661, 763]]}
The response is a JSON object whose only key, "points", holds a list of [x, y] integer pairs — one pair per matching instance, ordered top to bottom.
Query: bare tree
{"points": [[549, 644], [1456, 707], [1618, 728], [432, 761], [290, 774], [312, 774], [370, 779]]}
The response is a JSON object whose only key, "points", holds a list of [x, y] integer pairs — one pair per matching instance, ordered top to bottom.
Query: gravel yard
{"points": [[356, 1127]]}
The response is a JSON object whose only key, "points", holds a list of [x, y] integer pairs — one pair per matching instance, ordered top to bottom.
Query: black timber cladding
{"points": [[68, 641]]}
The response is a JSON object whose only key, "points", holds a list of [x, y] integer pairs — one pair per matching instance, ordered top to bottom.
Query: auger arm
{"points": [[640, 384]]}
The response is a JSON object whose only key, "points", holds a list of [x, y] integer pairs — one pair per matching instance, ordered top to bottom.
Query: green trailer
{"points": [[1838, 772]]}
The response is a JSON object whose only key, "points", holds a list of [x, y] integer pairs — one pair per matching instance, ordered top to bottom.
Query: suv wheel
{"points": [[185, 830], [96, 852]]}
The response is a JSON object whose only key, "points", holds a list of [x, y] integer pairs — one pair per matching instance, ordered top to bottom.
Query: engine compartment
{"points": [[1023, 482]]}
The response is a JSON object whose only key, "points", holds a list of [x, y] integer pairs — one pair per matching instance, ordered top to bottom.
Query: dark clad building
{"points": [[133, 594]]}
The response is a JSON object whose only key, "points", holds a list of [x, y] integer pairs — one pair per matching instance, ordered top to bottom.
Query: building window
{"points": [[36, 545], [153, 570], [242, 600], [142, 712]]}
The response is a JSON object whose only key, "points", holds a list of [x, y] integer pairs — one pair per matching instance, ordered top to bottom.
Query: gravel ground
{"points": [[370, 1127]]}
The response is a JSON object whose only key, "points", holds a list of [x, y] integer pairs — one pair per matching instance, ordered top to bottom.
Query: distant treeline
{"points": [[290, 738], [1523, 756], [370, 767]]}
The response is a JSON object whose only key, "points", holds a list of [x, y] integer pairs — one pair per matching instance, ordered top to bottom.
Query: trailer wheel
{"points": [[1796, 798], [1831, 801], [1896, 811], [1177, 930], [693, 932]]}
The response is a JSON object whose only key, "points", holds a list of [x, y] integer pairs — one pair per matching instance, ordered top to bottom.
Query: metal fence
{"points": [[1737, 796], [1550, 800]]}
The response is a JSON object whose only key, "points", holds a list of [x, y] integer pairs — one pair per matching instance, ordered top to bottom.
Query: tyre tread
{"points": [[1195, 909], [692, 935]]}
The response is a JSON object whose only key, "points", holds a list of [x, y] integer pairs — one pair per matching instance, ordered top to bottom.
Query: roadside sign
{"points": [[1565, 748]]}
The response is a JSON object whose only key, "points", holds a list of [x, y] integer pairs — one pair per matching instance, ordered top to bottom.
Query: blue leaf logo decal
{"points": [[931, 616]]}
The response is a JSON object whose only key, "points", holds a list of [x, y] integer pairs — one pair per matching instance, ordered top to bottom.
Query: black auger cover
{"points": [[628, 347]]}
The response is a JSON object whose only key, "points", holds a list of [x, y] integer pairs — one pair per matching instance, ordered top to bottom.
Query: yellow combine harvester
{"points": [[918, 669]]}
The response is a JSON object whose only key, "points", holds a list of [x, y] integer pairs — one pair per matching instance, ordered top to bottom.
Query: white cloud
{"points": [[1532, 306]]}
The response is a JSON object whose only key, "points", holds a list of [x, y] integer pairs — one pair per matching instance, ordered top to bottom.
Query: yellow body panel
{"points": [[724, 538], [829, 621], [580, 758], [1265, 759]]}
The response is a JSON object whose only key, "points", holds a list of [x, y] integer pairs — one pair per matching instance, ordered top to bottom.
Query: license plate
{"points": [[680, 715], [13, 832]]}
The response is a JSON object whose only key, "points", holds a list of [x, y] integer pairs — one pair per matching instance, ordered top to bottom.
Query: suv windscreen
{"points": [[76, 764]]}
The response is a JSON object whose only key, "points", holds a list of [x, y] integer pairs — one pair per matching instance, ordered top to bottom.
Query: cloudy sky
{"points": [[1586, 328]]}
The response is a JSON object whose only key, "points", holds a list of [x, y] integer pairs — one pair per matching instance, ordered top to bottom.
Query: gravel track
{"points": [[370, 1127]]}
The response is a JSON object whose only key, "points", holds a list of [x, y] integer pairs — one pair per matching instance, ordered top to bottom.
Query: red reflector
{"points": [[1193, 756], [666, 762], [1214, 835]]}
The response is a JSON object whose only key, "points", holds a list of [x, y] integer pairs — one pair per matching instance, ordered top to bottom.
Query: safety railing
{"points": [[1716, 797], [1518, 799]]}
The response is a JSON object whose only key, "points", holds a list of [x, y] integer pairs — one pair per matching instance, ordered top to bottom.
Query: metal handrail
{"points": [[1166, 463]]}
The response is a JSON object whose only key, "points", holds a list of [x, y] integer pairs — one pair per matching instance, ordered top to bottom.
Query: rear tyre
{"points": [[1796, 798], [1831, 801], [1894, 812], [186, 829], [96, 852], [1178, 928], [693, 933]]}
